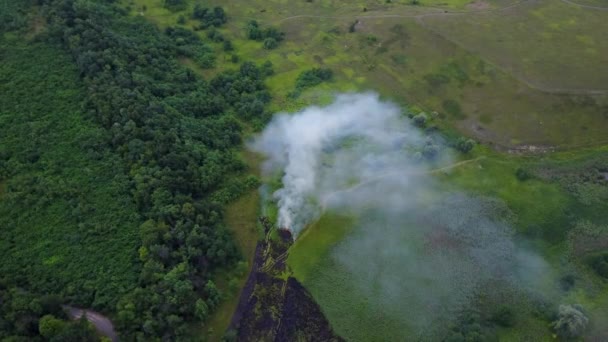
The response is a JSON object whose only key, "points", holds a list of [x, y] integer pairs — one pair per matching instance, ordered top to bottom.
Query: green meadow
{"points": [[544, 212]]}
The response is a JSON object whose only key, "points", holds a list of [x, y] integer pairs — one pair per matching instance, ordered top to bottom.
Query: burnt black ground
{"points": [[274, 307]]}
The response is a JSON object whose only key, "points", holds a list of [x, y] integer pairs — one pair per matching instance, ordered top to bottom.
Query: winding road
{"points": [[102, 324]]}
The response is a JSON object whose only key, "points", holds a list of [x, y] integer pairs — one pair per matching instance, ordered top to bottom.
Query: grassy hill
{"points": [[506, 72]]}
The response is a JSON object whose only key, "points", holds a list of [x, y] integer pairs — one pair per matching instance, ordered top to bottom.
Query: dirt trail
{"points": [[585, 6], [436, 12], [442, 12], [102, 324]]}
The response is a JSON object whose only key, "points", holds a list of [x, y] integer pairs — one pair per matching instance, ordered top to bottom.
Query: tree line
{"points": [[177, 136]]}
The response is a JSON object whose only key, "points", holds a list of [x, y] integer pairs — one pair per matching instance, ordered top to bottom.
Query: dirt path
{"points": [[585, 6], [436, 12], [442, 12], [398, 174], [102, 324]]}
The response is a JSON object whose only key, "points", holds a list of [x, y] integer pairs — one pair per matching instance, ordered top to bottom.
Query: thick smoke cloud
{"points": [[325, 152], [417, 252]]}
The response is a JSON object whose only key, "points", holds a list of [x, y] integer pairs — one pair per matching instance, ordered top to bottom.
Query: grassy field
{"points": [[528, 41], [482, 71], [544, 213]]}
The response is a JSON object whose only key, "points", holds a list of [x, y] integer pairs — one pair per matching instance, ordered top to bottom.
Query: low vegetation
{"points": [[116, 169]]}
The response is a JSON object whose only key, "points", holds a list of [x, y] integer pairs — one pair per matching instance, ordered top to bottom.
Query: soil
{"points": [[478, 5], [276, 307]]}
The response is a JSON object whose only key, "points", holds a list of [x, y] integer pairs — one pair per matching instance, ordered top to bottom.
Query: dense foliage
{"points": [[209, 17], [270, 36], [311, 78], [168, 139], [68, 225]]}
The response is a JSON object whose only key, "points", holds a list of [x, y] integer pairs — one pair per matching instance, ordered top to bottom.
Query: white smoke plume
{"points": [[325, 150], [417, 252]]}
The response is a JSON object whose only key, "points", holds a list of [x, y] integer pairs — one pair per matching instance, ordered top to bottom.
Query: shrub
{"points": [[175, 5], [216, 17], [254, 32], [215, 35], [270, 43], [228, 46], [313, 77], [453, 107], [420, 120], [465, 145], [522, 174], [599, 263], [503, 317], [571, 321]]}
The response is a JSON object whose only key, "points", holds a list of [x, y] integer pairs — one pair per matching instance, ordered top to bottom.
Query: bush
{"points": [[175, 5], [216, 17], [254, 32], [270, 43], [228, 46], [313, 77], [420, 120], [464, 145], [430, 151], [522, 174], [599, 263], [567, 282], [503, 317], [571, 321]]}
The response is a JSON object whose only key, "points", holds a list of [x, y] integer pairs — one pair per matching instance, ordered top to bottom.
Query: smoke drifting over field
{"points": [[325, 152], [416, 252]]}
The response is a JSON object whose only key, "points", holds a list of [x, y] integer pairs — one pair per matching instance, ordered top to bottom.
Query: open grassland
{"points": [[550, 45], [505, 72], [544, 213], [69, 227]]}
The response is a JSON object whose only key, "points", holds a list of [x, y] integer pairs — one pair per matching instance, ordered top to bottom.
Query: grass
{"points": [[544, 58], [484, 73], [495, 104], [539, 205], [543, 215], [241, 219], [312, 246]]}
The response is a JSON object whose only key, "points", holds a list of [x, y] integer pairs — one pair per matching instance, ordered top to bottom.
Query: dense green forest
{"points": [[114, 169]]}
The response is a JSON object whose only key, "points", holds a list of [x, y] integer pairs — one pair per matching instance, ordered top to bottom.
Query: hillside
{"points": [[442, 167]]}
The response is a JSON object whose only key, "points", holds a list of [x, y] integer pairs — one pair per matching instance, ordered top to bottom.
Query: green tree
{"points": [[270, 43], [201, 310], [49, 326]]}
